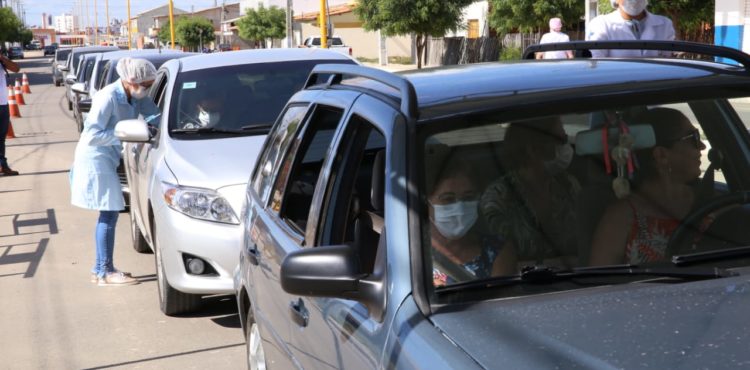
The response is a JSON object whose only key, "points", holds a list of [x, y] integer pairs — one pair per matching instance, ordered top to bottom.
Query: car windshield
{"points": [[62, 55], [236, 98], [513, 197]]}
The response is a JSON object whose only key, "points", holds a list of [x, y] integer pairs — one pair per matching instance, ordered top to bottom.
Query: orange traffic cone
{"points": [[25, 84], [19, 94], [12, 106], [10, 134]]}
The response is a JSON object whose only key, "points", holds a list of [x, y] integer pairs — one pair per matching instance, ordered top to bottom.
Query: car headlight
{"points": [[204, 204]]}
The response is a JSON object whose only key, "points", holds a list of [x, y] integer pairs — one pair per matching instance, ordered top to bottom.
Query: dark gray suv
{"points": [[586, 213]]}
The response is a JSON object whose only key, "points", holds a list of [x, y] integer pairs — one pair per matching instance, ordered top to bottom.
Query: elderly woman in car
{"points": [[636, 229]]}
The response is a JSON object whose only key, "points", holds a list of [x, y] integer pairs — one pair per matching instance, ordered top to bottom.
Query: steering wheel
{"points": [[695, 217]]}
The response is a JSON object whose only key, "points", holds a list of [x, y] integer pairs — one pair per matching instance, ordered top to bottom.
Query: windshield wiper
{"points": [[257, 129], [202, 130], [720, 254], [541, 275]]}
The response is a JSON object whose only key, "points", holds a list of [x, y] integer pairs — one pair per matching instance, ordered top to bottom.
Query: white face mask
{"points": [[634, 7], [139, 93], [208, 119], [563, 157], [454, 220]]}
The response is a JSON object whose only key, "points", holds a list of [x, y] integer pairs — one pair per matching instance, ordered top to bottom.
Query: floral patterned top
{"points": [[505, 208], [479, 267]]}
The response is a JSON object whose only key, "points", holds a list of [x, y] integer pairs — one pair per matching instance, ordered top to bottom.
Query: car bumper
{"points": [[215, 243]]}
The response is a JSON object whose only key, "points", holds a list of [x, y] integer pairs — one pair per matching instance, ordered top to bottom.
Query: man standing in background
{"points": [[630, 21], [555, 35], [8, 65]]}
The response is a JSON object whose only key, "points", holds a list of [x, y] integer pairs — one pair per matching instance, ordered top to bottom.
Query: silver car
{"points": [[188, 168]]}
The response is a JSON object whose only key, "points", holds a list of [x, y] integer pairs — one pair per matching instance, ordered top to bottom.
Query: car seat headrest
{"points": [[590, 141]]}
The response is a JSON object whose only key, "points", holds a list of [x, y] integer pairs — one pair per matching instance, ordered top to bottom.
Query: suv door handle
{"points": [[299, 313]]}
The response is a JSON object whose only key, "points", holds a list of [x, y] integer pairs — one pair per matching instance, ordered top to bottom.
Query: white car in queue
{"points": [[188, 167]]}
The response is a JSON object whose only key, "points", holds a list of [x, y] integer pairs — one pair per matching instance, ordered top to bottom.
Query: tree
{"points": [[532, 15], [262, 24], [10, 26], [192, 32], [25, 35]]}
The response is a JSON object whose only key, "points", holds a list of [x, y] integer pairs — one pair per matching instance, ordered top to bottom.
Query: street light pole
{"points": [[171, 22], [130, 37]]}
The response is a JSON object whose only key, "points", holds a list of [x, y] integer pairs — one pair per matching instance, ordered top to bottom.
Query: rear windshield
{"points": [[237, 97]]}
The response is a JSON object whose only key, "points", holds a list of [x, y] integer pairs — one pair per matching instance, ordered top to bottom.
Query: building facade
{"points": [[66, 23]]}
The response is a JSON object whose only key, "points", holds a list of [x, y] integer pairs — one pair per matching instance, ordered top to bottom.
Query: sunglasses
{"points": [[695, 136]]}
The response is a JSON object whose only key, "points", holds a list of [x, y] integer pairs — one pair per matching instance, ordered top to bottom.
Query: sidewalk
{"points": [[392, 67]]}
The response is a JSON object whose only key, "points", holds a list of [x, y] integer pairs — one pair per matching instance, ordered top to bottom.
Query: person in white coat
{"points": [[630, 21], [554, 35], [94, 183]]}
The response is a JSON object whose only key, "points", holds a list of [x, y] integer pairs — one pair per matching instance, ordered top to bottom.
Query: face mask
{"points": [[634, 7], [139, 93], [208, 119], [563, 157], [454, 220]]}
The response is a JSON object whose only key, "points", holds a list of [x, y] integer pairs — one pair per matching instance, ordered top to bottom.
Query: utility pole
{"points": [[88, 21], [171, 22], [323, 23], [96, 24], [289, 24], [130, 36], [109, 37]]}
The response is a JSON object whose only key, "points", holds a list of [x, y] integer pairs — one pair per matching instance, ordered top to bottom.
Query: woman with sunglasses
{"points": [[94, 183], [636, 229]]}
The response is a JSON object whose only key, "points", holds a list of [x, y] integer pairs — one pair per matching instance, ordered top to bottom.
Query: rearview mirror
{"points": [[79, 88], [132, 130], [334, 272]]}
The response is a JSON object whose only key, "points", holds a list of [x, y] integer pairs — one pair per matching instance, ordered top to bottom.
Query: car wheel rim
{"points": [[256, 358]]}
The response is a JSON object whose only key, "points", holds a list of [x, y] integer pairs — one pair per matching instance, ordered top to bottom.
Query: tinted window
{"points": [[89, 70], [237, 97]]}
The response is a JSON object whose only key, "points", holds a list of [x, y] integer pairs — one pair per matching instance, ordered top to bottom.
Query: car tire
{"points": [[57, 83], [70, 105], [79, 124], [139, 242], [171, 301], [256, 356]]}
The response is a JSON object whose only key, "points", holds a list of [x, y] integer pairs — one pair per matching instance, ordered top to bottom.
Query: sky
{"points": [[118, 8]]}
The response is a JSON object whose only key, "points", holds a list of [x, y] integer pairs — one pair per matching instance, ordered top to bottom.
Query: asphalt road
{"points": [[51, 315]]}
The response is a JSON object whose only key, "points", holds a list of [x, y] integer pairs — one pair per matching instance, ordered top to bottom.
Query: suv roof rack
{"points": [[683, 46], [337, 71]]}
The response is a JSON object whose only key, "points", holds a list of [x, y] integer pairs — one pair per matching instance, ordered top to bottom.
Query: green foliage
{"points": [[604, 7], [532, 15], [420, 17], [263, 23], [10, 26], [192, 31], [25, 36], [165, 36], [511, 53]]}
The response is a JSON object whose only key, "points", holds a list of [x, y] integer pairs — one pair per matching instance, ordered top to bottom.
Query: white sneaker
{"points": [[95, 279], [116, 279]]}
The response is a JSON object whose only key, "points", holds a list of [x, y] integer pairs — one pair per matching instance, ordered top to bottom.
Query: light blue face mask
{"points": [[634, 7], [454, 220]]}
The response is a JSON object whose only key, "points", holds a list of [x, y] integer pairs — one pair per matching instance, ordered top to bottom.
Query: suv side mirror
{"points": [[62, 68], [70, 79], [84, 105], [132, 130], [333, 271]]}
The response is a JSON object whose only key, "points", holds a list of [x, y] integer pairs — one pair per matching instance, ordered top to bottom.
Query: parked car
{"points": [[334, 43], [49, 50], [15, 52], [58, 64], [70, 69], [79, 89], [188, 179], [371, 238]]}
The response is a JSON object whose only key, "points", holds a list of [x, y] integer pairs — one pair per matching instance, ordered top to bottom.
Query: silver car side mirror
{"points": [[79, 88], [132, 130]]}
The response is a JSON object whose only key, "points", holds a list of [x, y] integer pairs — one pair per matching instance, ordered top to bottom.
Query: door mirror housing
{"points": [[62, 68], [70, 79], [79, 88], [84, 105], [132, 130], [334, 272]]}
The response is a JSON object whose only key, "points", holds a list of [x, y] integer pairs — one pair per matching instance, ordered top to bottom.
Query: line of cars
{"points": [[328, 211]]}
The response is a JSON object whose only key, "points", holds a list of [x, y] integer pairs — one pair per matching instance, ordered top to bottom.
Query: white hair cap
{"points": [[614, 3], [136, 70]]}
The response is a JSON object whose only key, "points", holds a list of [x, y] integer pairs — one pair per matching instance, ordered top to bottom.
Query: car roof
{"points": [[91, 49], [143, 53], [204, 61], [483, 86]]}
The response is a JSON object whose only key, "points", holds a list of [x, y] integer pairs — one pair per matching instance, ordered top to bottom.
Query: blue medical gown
{"points": [[94, 183]]}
